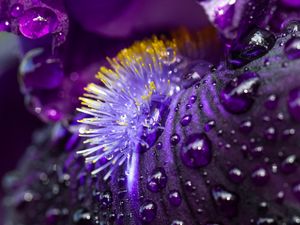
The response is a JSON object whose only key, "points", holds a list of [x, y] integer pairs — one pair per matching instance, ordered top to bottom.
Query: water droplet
{"points": [[16, 10], [38, 22], [4, 25], [292, 26], [256, 44], [292, 48], [169, 56], [40, 71], [238, 95], [193, 99], [272, 102], [294, 104], [188, 106], [186, 120], [209, 125], [246, 126], [289, 133], [270, 134], [175, 139], [159, 145], [257, 151], [196, 152], [289, 164], [236, 175], [260, 176], [157, 180], [122, 181], [189, 186], [296, 190], [280, 197], [174, 198], [226, 201], [263, 207], [148, 211], [53, 216], [82, 217], [295, 220], [266, 221], [177, 222]]}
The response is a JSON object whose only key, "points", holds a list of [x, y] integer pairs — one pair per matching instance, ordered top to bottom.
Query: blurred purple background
{"points": [[17, 124]]}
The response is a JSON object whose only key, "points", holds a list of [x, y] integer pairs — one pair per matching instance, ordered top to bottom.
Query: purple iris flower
{"points": [[150, 112]]}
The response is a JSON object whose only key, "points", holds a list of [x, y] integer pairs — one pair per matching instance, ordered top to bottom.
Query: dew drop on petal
{"points": [[16, 10], [38, 22], [4, 25], [256, 44], [292, 48], [238, 95], [272, 102], [186, 120], [209, 125], [246, 126], [270, 134], [175, 139], [196, 151], [289, 164], [236, 175], [260, 176], [157, 180], [296, 190], [174, 198], [226, 201], [148, 211], [266, 221], [177, 222]]}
